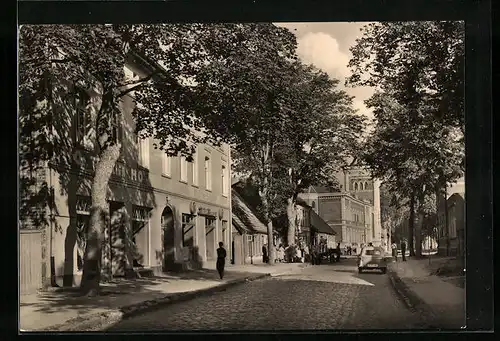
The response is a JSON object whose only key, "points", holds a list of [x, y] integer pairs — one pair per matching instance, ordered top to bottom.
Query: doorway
{"points": [[168, 228]]}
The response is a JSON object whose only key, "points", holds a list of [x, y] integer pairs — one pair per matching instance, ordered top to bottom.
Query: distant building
{"points": [[353, 210], [451, 220], [311, 228], [249, 233]]}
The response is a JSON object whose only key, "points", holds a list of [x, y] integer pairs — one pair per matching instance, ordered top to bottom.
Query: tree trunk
{"points": [[291, 214], [98, 221], [411, 226], [271, 250]]}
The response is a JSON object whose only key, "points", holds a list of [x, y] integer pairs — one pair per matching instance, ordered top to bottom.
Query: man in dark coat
{"points": [[403, 251], [338, 252], [264, 253], [221, 259]]}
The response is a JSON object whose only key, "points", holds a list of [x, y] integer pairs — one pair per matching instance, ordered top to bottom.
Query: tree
{"points": [[94, 56], [417, 68], [242, 99], [323, 132]]}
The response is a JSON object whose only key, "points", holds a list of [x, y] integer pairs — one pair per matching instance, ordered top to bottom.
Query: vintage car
{"points": [[372, 258]]}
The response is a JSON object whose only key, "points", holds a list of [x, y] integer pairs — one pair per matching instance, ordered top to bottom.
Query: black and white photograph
{"points": [[267, 176]]}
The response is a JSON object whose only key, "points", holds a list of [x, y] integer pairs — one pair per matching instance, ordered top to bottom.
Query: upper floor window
{"points": [[84, 130], [143, 151], [166, 165], [183, 169], [195, 169], [208, 174], [224, 179], [355, 186], [366, 186], [313, 204]]}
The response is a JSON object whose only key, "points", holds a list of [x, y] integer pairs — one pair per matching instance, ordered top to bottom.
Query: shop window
{"points": [[83, 205], [140, 219], [188, 227], [210, 237]]}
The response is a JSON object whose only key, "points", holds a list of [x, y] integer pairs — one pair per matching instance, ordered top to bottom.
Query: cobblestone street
{"points": [[328, 296]]}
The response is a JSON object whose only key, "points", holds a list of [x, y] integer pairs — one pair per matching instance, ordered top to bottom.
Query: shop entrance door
{"points": [[168, 228]]}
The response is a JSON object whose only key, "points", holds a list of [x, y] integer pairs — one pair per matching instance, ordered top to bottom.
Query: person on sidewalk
{"points": [[394, 251], [403, 251], [338, 252], [264, 253], [221, 259]]}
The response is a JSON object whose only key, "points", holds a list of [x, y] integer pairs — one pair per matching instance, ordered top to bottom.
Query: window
{"points": [[116, 129], [84, 131], [143, 149], [166, 165], [195, 169], [184, 173], [208, 174], [224, 179], [355, 186], [361, 186], [366, 186], [313, 204], [83, 205], [140, 219], [188, 225], [224, 232]]}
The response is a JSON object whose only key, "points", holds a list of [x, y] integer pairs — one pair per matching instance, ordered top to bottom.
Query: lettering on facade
{"points": [[206, 211]]}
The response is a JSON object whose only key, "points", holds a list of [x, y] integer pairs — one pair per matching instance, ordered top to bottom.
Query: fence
{"points": [[30, 262]]}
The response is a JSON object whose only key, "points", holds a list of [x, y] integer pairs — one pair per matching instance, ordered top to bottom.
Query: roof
{"points": [[323, 189], [302, 202], [243, 217], [318, 224]]}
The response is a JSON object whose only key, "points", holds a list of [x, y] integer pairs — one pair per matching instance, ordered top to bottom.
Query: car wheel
{"points": [[360, 270], [384, 270]]}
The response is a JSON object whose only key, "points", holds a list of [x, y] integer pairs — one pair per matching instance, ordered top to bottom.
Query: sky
{"points": [[326, 45]]}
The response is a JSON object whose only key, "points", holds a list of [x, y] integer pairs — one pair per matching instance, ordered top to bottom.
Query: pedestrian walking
{"points": [[394, 251], [403, 251], [338, 252], [264, 253], [281, 253], [221, 259]]}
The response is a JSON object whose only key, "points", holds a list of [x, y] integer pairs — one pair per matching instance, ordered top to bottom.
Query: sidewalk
{"points": [[440, 302], [64, 309]]}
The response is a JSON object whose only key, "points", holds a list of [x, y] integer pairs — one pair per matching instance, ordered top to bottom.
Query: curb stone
{"points": [[410, 299], [102, 320]]}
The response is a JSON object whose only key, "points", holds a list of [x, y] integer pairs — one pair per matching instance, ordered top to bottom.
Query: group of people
{"points": [[394, 248], [350, 250], [280, 254]]}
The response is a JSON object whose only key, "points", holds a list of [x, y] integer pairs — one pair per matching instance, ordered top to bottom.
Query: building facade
{"points": [[165, 213], [348, 216], [451, 226], [249, 234]]}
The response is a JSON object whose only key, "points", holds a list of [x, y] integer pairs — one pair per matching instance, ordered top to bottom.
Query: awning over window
{"points": [[243, 217], [319, 225]]}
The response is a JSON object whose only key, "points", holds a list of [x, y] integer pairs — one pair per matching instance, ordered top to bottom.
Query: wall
{"points": [[71, 173], [330, 208], [31, 261]]}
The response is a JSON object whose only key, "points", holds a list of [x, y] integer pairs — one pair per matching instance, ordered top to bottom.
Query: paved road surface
{"points": [[319, 297]]}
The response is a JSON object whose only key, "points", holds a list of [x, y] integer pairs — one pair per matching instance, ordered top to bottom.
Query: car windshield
{"points": [[373, 252]]}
